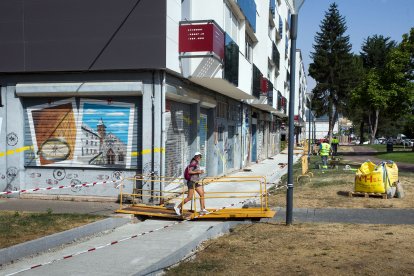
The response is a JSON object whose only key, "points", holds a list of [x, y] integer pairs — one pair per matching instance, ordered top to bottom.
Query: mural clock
{"points": [[55, 149]]}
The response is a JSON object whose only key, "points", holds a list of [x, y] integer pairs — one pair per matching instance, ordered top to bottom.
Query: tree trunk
{"points": [[332, 122], [373, 126], [361, 130]]}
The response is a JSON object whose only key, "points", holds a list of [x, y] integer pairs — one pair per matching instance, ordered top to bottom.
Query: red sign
{"points": [[201, 38], [264, 85], [296, 117]]}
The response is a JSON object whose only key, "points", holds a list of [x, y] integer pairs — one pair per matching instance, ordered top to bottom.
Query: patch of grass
{"points": [[383, 148], [406, 157], [17, 227], [202, 268]]}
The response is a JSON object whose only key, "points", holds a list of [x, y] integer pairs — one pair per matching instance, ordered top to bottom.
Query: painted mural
{"points": [[53, 131], [97, 134]]}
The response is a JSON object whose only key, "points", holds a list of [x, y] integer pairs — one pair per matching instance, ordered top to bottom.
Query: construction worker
{"points": [[334, 145], [324, 150]]}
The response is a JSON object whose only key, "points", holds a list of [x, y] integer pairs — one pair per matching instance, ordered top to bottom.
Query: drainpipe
{"points": [[152, 135], [162, 142]]}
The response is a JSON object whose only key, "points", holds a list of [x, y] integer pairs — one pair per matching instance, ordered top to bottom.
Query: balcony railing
{"points": [[272, 7], [280, 27], [275, 56], [231, 61], [257, 77], [281, 103]]}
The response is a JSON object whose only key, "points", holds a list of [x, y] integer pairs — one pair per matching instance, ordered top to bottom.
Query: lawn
{"points": [[383, 148], [406, 157], [17, 227]]}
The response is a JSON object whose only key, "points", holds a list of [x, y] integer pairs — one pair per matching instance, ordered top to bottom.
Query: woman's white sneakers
{"points": [[177, 210], [204, 212]]}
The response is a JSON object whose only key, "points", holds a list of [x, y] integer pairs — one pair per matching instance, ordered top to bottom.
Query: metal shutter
{"points": [[177, 145]]}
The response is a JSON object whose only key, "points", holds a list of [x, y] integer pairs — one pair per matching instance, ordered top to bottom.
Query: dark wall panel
{"points": [[81, 35]]}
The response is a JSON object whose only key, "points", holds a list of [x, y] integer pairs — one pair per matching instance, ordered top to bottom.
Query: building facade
{"points": [[106, 90]]}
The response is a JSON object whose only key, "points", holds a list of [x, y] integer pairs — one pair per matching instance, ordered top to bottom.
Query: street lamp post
{"points": [[293, 35], [310, 97]]}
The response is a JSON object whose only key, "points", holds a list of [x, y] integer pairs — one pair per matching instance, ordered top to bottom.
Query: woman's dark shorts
{"points": [[190, 184]]}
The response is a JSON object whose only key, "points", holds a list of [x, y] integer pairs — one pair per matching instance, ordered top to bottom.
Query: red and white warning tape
{"points": [[59, 187], [130, 237]]}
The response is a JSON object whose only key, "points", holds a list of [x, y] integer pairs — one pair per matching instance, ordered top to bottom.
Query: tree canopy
{"points": [[333, 66]]}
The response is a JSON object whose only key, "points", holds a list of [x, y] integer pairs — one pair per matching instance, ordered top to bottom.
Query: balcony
{"points": [[272, 12], [276, 57], [210, 58], [231, 64], [257, 79], [265, 100], [281, 105]]}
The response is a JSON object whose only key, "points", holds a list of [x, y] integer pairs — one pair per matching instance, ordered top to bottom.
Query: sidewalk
{"points": [[337, 215], [135, 254]]}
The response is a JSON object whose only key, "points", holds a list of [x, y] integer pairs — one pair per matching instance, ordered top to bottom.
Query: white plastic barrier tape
{"points": [[59, 187], [131, 237]]}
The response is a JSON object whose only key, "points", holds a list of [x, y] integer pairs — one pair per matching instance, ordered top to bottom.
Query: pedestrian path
{"points": [[347, 215]]}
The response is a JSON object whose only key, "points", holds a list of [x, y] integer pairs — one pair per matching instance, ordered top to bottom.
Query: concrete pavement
{"points": [[338, 215]]}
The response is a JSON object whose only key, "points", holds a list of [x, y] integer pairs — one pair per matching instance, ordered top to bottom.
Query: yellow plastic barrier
{"points": [[369, 179]]}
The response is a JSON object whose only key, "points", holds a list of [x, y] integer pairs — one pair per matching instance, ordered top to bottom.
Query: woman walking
{"points": [[193, 170]]}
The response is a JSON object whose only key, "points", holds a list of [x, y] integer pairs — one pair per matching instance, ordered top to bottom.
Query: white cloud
{"points": [[91, 111], [116, 114], [118, 125]]}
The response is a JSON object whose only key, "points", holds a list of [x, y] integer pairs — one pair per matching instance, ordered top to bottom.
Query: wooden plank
{"points": [[362, 194]]}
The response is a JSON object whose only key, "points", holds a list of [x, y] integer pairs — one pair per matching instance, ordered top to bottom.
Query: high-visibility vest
{"points": [[335, 141], [325, 148]]}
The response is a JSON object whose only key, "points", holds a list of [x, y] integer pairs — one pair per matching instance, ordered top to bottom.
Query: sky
{"points": [[390, 18], [115, 118]]}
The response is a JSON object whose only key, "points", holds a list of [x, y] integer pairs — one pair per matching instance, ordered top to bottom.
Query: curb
{"points": [[45, 243], [186, 249]]}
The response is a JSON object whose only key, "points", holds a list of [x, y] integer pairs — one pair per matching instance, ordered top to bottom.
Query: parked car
{"points": [[408, 142]]}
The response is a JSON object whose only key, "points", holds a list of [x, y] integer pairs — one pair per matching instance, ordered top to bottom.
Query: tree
{"points": [[332, 67], [401, 76], [387, 84], [373, 93]]}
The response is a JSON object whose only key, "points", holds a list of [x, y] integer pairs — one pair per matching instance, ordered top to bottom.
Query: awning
{"points": [[222, 86], [79, 89], [265, 107]]}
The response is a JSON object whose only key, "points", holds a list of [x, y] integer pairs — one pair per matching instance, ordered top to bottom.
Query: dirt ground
{"points": [[329, 189], [332, 192], [306, 249], [314, 249]]}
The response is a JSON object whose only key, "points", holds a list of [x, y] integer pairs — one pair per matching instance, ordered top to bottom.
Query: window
{"points": [[231, 24], [249, 48], [222, 110], [220, 131]]}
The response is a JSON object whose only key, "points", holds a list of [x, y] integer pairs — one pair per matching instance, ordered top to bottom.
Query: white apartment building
{"points": [[168, 78]]}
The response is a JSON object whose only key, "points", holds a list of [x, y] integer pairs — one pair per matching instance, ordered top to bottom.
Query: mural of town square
{"points": [[105, 135]]}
